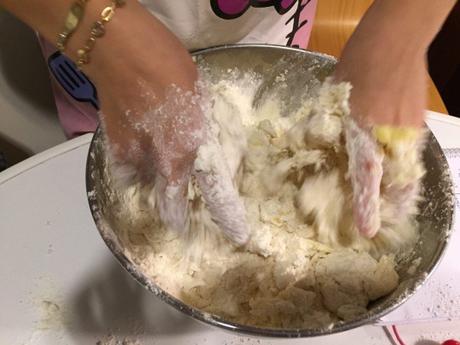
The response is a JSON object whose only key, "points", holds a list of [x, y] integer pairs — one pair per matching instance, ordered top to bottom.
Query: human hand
{"points": [[152, 117], [384, 137]]}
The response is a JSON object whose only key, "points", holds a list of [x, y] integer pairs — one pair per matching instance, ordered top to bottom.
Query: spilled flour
{"points": [[305, 264]]}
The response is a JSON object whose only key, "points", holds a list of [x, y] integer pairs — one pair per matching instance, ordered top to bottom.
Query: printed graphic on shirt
{"points": [[231, 9], [298, 21]]}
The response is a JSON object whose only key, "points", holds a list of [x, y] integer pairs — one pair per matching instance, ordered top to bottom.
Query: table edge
{"points": [[44, 156]]}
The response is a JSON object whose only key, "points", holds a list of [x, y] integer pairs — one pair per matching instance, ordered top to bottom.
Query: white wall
{"points": [[28, 118]]}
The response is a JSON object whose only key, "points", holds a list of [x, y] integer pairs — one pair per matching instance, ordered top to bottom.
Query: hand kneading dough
{"points": [[305, 264]]}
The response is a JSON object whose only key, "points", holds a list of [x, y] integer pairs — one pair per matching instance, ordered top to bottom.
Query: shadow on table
{"points": [[112, 302]]}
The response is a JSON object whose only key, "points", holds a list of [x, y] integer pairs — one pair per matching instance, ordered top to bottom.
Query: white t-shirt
{"points": [[206, 23], [198, 24]]}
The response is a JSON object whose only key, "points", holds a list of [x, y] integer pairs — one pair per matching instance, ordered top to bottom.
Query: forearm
{"points": [[133, 32]]}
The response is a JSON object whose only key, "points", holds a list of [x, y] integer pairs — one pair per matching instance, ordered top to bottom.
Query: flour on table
{"points": [[305, 264]]}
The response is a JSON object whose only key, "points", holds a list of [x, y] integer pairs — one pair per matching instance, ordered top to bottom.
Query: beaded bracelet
{"points": [[76, 12], [97, 30]]}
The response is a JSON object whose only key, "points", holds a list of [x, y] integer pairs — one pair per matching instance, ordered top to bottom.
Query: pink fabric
{"points": [[302, 36]]}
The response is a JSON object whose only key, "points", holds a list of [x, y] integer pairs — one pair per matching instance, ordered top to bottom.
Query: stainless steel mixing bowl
{"points": [[435, 219]]}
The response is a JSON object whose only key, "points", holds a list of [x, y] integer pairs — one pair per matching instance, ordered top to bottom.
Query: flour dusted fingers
{"points": [[385, 169], [402, 170], [365, 171], [219, 192]]}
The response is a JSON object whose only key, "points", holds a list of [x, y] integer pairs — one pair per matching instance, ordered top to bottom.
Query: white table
{"points": [[59, 284]]}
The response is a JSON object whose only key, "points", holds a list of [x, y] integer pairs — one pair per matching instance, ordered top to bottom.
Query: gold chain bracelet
{"points": [[76, 12], [97, 30]]}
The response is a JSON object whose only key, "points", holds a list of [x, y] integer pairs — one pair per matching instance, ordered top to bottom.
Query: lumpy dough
{"points": [[305, 264]]}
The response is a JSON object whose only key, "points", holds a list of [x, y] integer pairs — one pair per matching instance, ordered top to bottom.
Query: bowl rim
{"points": [[215, 320]]}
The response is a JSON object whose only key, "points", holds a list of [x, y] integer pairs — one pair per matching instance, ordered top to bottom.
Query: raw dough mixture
{"points": [[305, 265]]}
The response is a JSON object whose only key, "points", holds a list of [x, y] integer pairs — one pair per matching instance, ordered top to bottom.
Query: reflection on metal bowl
{"points": [[436, 210]]}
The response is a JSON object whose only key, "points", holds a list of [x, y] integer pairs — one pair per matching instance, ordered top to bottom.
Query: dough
{"points": [[305, 264]]}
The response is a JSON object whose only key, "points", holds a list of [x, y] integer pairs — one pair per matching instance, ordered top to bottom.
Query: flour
{"points": [[305, 265]]}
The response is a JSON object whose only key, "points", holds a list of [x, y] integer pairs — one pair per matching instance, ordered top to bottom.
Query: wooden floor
{"points": [[334, 23]]}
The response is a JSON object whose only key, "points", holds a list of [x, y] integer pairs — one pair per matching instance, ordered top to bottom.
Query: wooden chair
{"points": [[334, 23]]}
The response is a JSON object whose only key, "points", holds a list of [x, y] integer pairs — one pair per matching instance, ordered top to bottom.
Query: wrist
{"points": [[92, 15], [133, 50]]}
